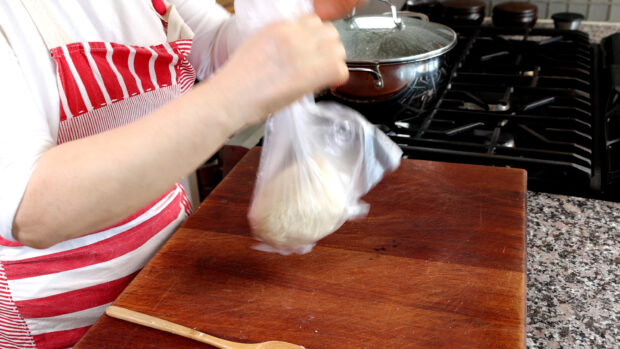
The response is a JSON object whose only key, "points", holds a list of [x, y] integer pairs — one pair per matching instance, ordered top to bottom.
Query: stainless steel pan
{"points": [[388, 53]]}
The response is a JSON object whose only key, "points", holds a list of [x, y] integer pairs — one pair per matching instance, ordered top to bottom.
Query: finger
{"points": [[311, 21], [330, 32], [328, 36], [333, 48], [341, 51], [334, 71], [343, 74]]}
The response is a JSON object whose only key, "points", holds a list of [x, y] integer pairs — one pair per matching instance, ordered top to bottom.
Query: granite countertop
{"points": [[596, 30], [573, 248], [573, 287]]}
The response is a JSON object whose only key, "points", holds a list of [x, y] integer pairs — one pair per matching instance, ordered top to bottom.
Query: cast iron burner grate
{"points": [[518, 98]]}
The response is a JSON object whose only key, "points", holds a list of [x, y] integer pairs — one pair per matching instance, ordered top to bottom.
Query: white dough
{"points": [[301, 205]]}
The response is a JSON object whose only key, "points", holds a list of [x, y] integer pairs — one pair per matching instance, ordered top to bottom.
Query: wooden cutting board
{"points": [[438, 263]]}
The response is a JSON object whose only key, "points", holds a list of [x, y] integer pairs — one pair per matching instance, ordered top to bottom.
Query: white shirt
{"points": [[29, 95]]}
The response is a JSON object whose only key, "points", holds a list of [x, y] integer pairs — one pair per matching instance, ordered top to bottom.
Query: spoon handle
{"points": [[170, 327]]}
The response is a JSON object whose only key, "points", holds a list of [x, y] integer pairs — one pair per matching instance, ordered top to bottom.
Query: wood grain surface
{"points": [[438, 263]]}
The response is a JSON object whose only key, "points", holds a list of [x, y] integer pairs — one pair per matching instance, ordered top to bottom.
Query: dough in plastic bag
{"points": [[317, 161], [295, 211]]}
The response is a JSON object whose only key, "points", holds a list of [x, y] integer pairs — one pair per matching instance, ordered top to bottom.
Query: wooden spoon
{"points": [[170, 327]]}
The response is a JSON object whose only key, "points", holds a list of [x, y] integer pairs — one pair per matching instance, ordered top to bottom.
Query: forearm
{"points": [[105, 178], [85, 185]]}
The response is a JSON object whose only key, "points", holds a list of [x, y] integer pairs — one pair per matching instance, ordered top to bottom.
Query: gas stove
{"points": [[544, 100]]}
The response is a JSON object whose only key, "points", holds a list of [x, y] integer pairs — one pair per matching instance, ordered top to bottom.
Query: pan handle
{"points": [[394, 11], [409, 14], [412, 14], [396, 15], [375, 74]]}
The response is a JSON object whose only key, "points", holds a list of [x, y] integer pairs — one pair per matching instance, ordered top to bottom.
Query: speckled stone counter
{"points": [[596, 30], [573, 248], [573, 288]]}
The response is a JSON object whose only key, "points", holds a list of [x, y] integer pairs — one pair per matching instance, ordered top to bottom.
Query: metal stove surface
{"points": [[519, 98]]}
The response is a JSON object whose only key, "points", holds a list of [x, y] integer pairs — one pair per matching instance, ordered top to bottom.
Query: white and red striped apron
{"points": [[49, 298]]}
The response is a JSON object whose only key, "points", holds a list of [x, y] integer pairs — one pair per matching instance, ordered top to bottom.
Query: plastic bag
{"points": [[317, 161]]}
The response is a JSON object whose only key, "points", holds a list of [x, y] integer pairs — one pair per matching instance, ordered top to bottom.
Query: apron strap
{"points": [[50, 30], [54, 36]]}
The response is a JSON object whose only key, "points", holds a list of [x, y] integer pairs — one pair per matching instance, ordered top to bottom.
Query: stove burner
{"points": [[515, 14], [519, 98], [478, 104], [489, 107]]}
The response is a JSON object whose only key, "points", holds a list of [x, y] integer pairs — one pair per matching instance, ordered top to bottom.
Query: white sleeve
{"points": [[216, 34], [24, 136]]}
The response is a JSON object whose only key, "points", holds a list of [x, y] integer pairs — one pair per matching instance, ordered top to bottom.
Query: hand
{"points": [[330, 10], [277, 65]]}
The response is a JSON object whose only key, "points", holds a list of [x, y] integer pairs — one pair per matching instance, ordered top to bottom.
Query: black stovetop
{"points": [[544, 100]]}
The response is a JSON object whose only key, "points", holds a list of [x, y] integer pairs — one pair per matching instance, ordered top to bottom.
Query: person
{"points": [[101, 121]]}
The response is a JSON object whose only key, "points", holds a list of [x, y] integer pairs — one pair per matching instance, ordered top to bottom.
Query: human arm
{"points": [[217, 33], [85, 185]]}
